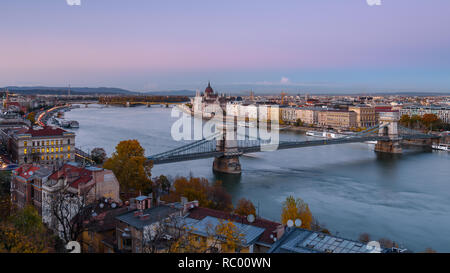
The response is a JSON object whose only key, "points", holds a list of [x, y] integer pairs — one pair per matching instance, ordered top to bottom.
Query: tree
{"points": [[32, 117], [405, 120], [430, 120], [415, 121], [299, 122], [98, 155], [130, 166], [214, 197], [219, 199], [245, 207], [296, 209], [68, 214], [28, 221], [23, 232], [225, 237], [364, 238], [13, 241], [386, 243], [430, 250]]}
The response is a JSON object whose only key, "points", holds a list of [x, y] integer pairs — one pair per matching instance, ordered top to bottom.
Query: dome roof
{"points": [[209, 89]]}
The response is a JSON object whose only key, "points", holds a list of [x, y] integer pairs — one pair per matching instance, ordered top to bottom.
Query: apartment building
{"points": [[443, 112], [306, 115], [365, 115], [338, 119], [43, 145], [26, 185], [37, 185]]}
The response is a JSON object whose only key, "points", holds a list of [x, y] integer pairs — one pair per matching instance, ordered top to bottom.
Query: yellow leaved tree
{"points": [[131, 167], [296, 209]]}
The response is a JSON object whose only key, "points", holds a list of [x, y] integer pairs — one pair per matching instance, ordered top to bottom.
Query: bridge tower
{"points": [[390, 119], [229, 162]]}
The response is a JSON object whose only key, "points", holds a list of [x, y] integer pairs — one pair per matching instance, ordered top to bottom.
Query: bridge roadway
{"points": [[207, 148]]}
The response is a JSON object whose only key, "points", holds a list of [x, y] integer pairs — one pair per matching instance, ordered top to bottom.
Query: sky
{"points": [[302, 46]]}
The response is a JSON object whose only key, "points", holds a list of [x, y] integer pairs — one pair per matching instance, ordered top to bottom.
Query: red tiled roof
{"points": [[46, 131], [24, 171], [81, 175], [269, 226]]}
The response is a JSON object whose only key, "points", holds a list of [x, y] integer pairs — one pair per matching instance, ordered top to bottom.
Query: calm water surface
{"points": [[349, 188]]}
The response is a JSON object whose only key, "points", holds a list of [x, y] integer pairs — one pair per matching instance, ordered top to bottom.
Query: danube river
{"points": [[348, 187]]}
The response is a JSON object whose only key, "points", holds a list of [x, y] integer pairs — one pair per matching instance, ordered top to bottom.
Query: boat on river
{"points": [[442, 147]]}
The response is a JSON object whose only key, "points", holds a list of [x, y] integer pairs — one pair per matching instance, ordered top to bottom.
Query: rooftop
{"points": [[42, 131], [28, 171], [74, 174], [152, 215], [207, 226], [268, 226], [298, 240]]}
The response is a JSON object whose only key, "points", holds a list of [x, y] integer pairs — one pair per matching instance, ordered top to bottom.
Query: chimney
{"points": [[190, 205], [279, 231]]}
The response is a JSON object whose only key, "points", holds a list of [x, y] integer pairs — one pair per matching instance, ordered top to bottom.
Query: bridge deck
{"points": [[206, 149]]}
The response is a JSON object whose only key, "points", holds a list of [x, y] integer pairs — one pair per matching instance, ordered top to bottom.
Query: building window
{"points": [[68, 141], [53, 142], [25, 143], [42, 143], [46, 143], [68, 148], [57, 149], [42, 150], [47, 150], [53, 150], [62, 150], [24, 151], [33, 151], [68, 156], [42, 158]]}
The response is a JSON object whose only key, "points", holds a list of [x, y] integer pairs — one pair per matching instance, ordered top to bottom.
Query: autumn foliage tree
{"points": [[130, 166], [194, 188], [244, 207], [296, 209], [23, 232], [225, 237]]}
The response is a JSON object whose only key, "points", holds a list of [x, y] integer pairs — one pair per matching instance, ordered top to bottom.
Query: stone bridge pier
{"points": [[393, 146], [229, 162]]}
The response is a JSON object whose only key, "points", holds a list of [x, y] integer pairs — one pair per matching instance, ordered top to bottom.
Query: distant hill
{"points": [[45, 90]]}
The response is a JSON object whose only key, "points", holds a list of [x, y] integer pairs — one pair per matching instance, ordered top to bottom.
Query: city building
{"points": [[442, 112], [308, 115], [365, 115], [337, 119], [42, 145], [84, 184], [26, 185], [135, 229], [99, 235], [259, 235]]}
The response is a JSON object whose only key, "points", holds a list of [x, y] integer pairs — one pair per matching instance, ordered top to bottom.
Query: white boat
{"points": [[74, 124], [246, 124], [324, 134], [371, 142], [442, 147]]}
